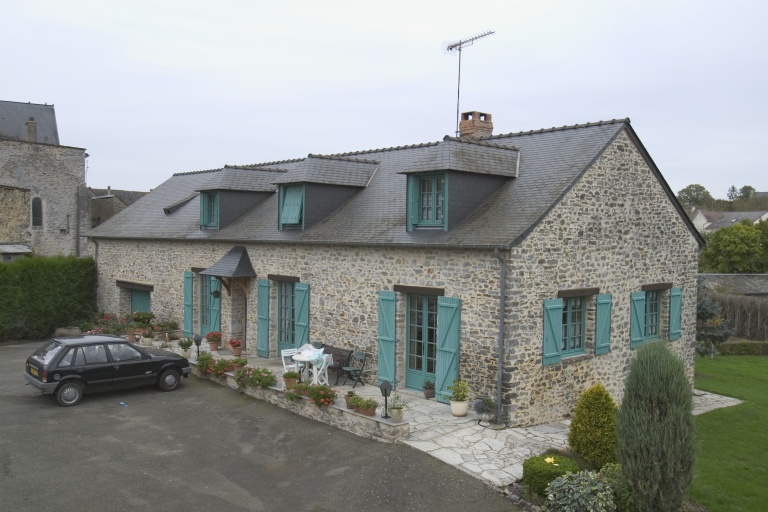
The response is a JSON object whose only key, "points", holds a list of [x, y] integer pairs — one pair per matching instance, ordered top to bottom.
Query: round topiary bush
{"points": [[656, 432], [592, 435], [539, 471], [582, 492]]}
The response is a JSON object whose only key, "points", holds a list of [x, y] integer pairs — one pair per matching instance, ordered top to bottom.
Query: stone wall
{"points": [[55, 174], [16, 214], [615, 230]]}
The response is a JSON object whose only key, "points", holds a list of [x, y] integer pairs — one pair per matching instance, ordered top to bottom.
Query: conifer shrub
{"points": [[655, 428], [592, 435], [539, 471], [613, 475], [584, 491]]}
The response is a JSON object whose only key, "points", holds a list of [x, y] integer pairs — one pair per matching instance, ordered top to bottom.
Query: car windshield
{"points": [[47, 352]]}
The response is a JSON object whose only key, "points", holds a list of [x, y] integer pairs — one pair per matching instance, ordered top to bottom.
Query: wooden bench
{"points": [[340, 358]]}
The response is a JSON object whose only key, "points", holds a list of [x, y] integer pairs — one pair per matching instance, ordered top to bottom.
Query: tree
{"points": [[746, 192], [733, 194], [694, 195], [734, 250], [711, 328], [655, 429]]}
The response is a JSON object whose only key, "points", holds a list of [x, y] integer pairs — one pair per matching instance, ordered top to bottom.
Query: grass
{"points": [[732, 466]]}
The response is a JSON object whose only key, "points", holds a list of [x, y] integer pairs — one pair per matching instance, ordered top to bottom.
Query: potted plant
{"points": [[148, 336], [214, 339], [185, 344], [236, 345], [239, 363], [205, 364], [220, 367], [290, 378], [429, 389], [321, 395], [459, 397], [348, 398], [354, 401], [367, 406], [397, 408], [485, 408]]}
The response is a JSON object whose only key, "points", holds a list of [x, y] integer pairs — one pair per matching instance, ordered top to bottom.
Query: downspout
{"points": [[502, 307]]}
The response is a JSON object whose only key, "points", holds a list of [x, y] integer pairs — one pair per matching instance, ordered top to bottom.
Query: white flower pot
{"points": [[459, 409], [397, 415]]}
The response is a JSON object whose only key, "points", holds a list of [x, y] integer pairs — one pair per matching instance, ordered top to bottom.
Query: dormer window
{"points": [[427, 200], [291, 206], [209, 209]]}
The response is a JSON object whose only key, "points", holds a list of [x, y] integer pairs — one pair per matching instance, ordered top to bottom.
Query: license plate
{"points": [[34, 371]]}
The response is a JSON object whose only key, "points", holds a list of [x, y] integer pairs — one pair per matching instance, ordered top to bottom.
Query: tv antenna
{"points": [[460, 45]]}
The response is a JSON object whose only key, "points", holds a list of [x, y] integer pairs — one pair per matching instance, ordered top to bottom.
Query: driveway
{"points": [[204, 447]]}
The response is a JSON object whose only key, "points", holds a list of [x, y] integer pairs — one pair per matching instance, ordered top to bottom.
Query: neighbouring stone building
{"points": [[42, 183], [106, 203], [531, 264]]}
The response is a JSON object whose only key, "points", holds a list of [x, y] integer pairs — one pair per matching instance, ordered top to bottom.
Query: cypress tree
{"points": [[655, 428]]}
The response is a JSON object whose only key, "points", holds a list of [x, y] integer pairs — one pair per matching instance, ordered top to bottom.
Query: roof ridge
{"points": [[558, 128], [465, 140], [393, 148], [344, 158], [277, 162], [254, 168], [196, 172]]}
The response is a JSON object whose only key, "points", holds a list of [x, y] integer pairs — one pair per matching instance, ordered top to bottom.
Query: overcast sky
{"points": [[151, 88]]}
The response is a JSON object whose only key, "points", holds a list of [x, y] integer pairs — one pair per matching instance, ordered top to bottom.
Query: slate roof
{"points": [[14, 117], [550, 162], [331, 170], [234, 177], [127, 197], [728, 219], [14, 249], [235, 263], [736, 284]]}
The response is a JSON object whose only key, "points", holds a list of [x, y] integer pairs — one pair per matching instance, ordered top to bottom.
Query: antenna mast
{"points": [[460, 46]]}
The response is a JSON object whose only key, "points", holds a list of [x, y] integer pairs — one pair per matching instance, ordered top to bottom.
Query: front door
{"points": [[286, 316], [421, 344]]}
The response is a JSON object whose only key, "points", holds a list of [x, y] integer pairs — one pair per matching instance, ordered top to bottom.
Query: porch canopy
{"points": [[233, 267]]}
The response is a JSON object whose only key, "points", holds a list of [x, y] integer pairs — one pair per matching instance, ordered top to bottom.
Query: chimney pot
{"points": [[475, 125]]}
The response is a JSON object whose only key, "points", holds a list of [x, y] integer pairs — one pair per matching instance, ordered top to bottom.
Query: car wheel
{"points": [[169, 380], [69, 394]]}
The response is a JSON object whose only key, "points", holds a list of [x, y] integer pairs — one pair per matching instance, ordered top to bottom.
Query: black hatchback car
{"points": [[71, 366]]}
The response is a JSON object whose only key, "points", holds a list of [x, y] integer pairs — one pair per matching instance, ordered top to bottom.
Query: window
{"points": [[427, 201], [291, 206], [209, 209], [37, 212], [646, 310], [285, 313], [574, 323], [123, 352]]}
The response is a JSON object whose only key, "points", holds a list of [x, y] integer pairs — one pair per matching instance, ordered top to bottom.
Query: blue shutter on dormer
{"points": [[293, 201], [412, 208], [203, 209], [675, 313], [636, 319], [603, 324], [553, 330]]}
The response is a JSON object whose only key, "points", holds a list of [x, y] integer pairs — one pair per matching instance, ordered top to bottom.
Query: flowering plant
{"points": [[143, 317], [213, 337], [235, 343], [322, 395], [483, 405]]}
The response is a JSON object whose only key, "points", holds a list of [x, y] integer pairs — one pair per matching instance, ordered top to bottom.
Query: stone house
{"points": [[106, 203], [45, 204], [709, 221], [530, 264]]}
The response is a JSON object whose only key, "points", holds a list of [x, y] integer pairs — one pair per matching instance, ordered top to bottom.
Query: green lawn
{"points": [[732, 467]]}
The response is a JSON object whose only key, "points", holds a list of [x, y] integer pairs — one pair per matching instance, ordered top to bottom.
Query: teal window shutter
{"points": [[293, 203], [203, 210], [412, 214], [140, 301], [188, 304], [215, 305], [301, 307], [675, 312], [637, 319], [603, 324], [553, 330], [262, 341], [448, 345], [386, 349]]}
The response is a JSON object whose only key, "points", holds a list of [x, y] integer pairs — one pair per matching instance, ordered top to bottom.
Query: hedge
{"points": [[743, 348]]}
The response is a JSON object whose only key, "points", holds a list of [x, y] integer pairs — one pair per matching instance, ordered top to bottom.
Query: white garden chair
{"points": [[290, 364], [320, 372]]}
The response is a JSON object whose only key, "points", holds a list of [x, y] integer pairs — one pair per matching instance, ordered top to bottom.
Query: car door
{"points": [[93, 366], [130, 367]]}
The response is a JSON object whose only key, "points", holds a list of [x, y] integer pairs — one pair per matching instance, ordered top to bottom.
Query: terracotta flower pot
{"points": [[214, 346], [236, 351], [238, 367], [289, 383], [429, 393], [347, 398], [367, 412]]}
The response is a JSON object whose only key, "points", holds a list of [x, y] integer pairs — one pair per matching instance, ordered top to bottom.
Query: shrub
{"points": [[744, 348], [204, 363], [220, 367], [261, 377], [297, 391], [321, 395], [356, 401], [655, 429], [592, 435], [539, 471], [613, 475], [582, 492]]}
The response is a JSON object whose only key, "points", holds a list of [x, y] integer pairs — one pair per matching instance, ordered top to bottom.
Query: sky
{"points": [[152, 88]]}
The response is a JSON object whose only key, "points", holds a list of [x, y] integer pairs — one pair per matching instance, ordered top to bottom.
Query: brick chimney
{"points": [[475, 125], [31, 130]]}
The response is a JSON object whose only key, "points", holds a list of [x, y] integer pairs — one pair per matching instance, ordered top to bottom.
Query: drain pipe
{"points": [[502, 306]]}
